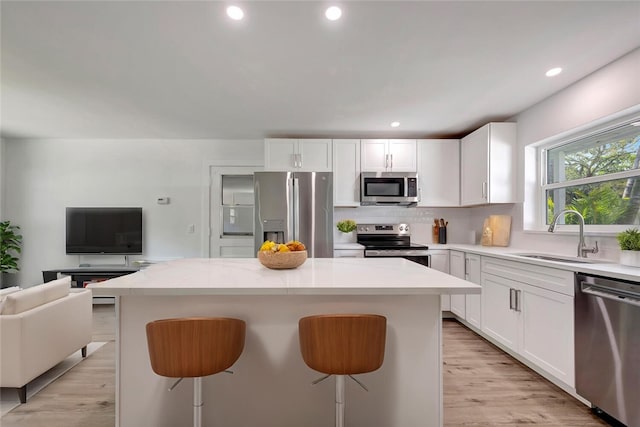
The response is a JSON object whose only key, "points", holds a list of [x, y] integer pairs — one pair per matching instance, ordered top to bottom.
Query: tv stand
{"points": [[82, 276]]}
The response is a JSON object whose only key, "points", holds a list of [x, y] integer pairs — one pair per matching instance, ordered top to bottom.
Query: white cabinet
{"points": [[310, 155], [389, 155], [488, 162], [346, 172], [439, 172], [440, 262], [457, 269], [473, 302], [468, 307], [533, 321]]}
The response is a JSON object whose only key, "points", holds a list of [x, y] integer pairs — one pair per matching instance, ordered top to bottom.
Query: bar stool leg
{"points": [[340, 400], [197, 402]]}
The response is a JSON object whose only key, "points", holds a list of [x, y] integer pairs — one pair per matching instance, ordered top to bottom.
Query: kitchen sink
{"points": [[560, 258]]}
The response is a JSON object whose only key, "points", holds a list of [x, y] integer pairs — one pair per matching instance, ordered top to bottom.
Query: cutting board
{"points": [[501, 227]]}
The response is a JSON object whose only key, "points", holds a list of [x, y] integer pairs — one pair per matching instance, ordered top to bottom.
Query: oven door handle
{"points": [[625, 299]]}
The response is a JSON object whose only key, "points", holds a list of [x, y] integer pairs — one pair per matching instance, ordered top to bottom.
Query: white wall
{"points": [[610, 90], [45, 176]]}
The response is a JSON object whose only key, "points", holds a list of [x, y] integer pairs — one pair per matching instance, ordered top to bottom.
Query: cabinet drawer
{"points": [[553, 279]]}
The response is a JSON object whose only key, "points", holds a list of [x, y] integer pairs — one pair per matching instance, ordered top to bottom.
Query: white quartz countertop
{"points": [[597, 266], [317, 276]]}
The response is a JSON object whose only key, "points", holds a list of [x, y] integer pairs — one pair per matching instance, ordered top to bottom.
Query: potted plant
{"points": [[346, 228], [629, 241], [10, 242]]}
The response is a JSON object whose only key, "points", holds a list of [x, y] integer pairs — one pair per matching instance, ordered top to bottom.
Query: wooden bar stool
{"points": [[342, 345], [194, 347]]}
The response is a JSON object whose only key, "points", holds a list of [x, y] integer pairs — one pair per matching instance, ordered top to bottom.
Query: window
{"points": [[596, 174]]}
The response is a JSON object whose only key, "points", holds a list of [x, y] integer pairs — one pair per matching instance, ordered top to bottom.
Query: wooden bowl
{"points": [[282, 260]]}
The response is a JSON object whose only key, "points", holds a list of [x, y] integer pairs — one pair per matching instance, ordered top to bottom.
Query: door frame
{"points": [[209, 170]]}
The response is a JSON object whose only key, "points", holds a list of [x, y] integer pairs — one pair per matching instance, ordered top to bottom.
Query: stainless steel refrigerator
{"points": [[295, 206]]}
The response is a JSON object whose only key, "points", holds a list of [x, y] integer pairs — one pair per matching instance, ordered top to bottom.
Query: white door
{"points": [[279, 154], [315, 155], [374, 155], [402, 155], [475, 167], [346, 172], [231, 213], [440, 262], [456, 268], [473, 302], [500, 320], [547, 331]]}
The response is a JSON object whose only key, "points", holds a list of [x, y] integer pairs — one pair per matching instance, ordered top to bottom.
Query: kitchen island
{"points": [[271, 385]]}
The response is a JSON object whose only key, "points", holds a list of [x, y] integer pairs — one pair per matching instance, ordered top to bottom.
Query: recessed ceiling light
{"points": [[235, 13], [333, 13], [553, 72], [395, 124]]}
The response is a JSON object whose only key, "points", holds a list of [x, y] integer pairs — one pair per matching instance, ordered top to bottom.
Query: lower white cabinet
{"points": [[440, 262], [457, 269], [473, 302], [532, 321]]}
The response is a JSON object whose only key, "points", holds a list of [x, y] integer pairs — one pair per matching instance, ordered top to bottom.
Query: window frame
{"points": [[543, 147]]}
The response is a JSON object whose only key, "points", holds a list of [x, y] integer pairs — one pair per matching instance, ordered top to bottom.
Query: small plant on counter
{"points": [[346, 225], [629, 240]]}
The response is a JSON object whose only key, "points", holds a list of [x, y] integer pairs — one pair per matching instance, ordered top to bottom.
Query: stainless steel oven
{"points": [[389, 188], [391, 240], [607, 345]]}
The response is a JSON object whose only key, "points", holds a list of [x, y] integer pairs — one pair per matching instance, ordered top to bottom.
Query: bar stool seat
{"points": [[342, 345], [194, 347]]}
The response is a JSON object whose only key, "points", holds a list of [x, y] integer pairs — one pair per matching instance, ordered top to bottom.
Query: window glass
{"points": [[612, 151], [597, 175], [609, 202]]}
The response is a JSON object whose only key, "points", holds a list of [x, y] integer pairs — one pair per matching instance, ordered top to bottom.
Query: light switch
{"points": [[163, 200], [191, 228]]}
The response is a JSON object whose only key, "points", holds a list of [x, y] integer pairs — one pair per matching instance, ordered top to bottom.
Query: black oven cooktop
{"points": [[388, 240]]}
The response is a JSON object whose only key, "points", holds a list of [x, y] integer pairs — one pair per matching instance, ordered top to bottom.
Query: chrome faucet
{"points": [[582, 247]]}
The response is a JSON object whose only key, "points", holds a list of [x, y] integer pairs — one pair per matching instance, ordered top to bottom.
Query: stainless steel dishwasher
{"points": [[607, 345]]}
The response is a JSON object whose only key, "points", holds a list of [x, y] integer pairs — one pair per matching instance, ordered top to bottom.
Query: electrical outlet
{"points": [[191, 228]]}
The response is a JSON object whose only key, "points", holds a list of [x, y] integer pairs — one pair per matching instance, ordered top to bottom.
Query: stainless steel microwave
{"points": [[389, 188]]}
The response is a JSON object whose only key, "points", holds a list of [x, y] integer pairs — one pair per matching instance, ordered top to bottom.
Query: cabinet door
{"points": [[279, 154], [315, 155], [374, 155], [402, 155], [475, 167], [346, 172], [439, 172], [440, 262], [456, 268], [473, 303], [499, 320], [547, 336]]}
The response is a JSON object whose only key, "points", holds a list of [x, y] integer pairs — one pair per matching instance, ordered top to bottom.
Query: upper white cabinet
{"points": [[310, 155], [389, 155], [488, 164], [346, 172], [439, 172]]}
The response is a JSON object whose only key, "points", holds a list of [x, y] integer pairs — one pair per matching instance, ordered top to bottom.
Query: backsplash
{"points": [[420, 219]]}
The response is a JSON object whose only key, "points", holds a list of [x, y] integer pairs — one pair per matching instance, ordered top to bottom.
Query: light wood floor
{"points": [[482, 387]]}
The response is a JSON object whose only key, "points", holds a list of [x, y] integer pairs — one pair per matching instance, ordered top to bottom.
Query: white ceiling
{"points": [[181, 69]]}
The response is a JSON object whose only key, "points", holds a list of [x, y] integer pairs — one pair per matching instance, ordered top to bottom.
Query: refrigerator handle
{"points": [[296, 209], [290, 210]]}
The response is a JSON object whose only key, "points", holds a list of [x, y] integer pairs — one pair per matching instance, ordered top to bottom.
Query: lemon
{"points": [[267, 246]]}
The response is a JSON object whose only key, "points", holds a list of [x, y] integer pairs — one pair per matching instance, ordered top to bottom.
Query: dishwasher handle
{"points": [[588, 288]]}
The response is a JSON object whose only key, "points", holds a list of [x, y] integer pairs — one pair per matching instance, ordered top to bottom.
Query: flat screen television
{"points": [[104, 231]]}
